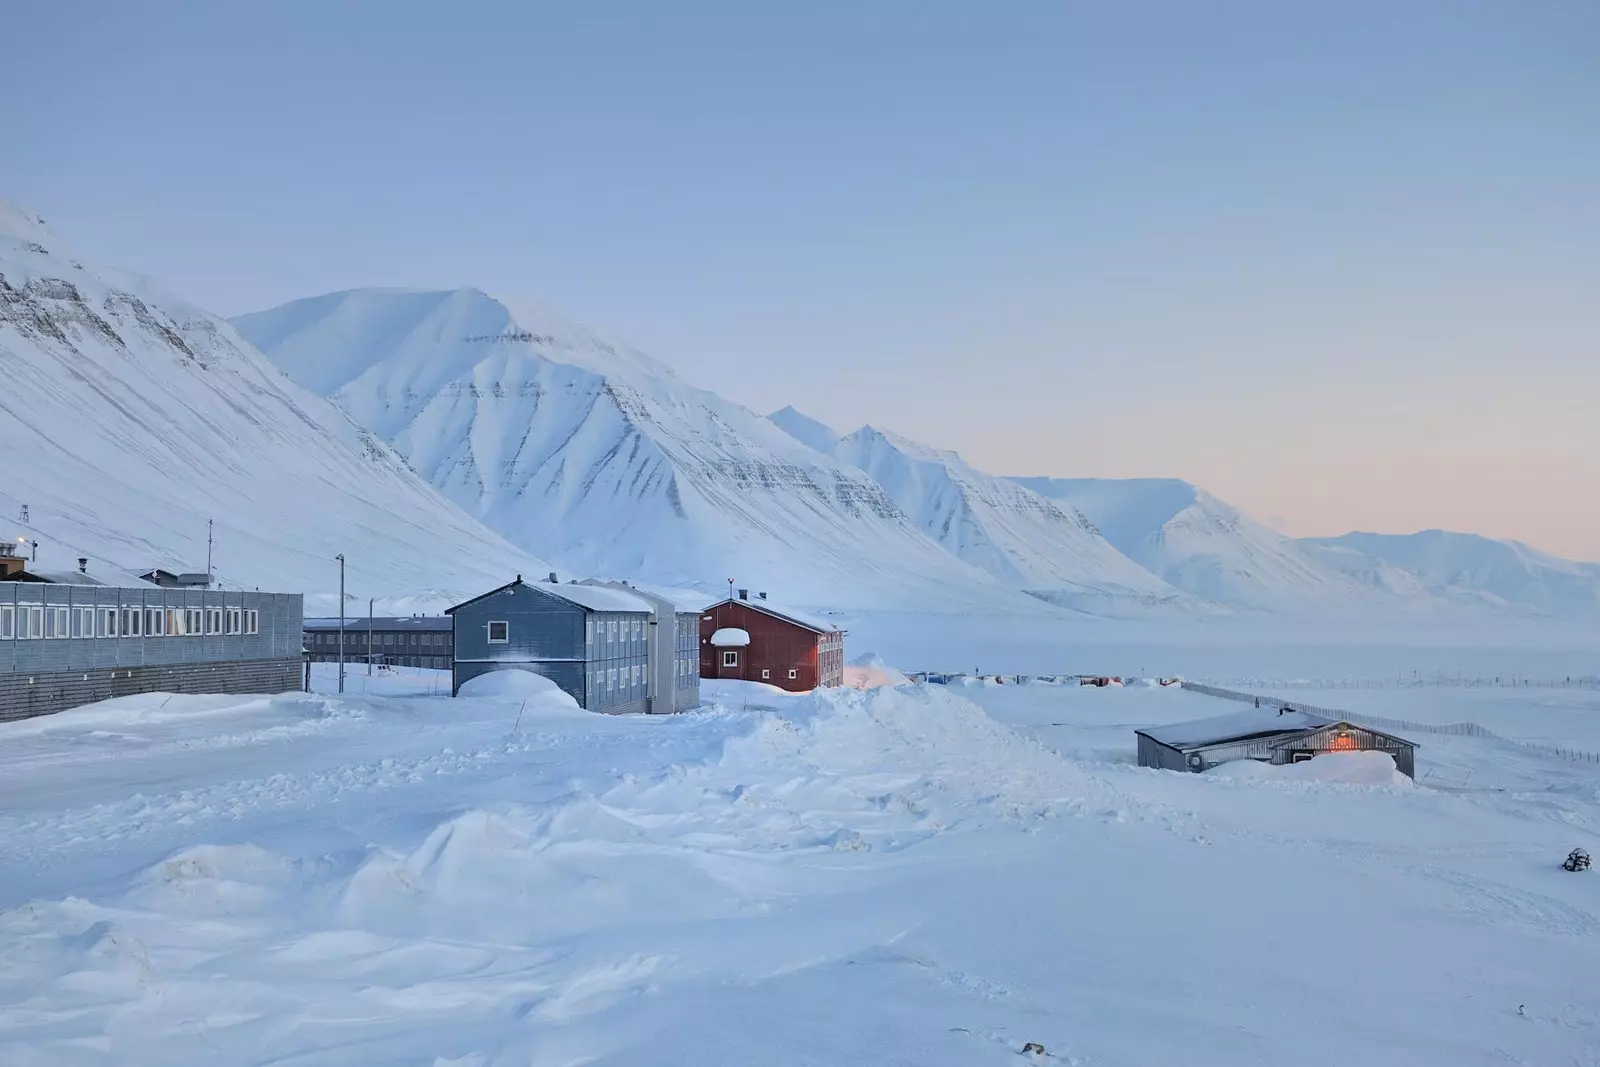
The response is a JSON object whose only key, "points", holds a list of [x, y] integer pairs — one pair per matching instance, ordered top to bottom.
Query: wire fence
{"points": [[1418, 680], [1454, 729]]}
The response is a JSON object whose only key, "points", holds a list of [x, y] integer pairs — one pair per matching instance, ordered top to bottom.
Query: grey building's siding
{"points": [[401, 642], [85, 649], [599, 658], [686, 662], [1153, 753]]}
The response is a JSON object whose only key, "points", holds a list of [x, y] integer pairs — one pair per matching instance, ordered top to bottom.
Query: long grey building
{"points": [[592, 640], [403, 641], [66, 645], [1269, 735]]}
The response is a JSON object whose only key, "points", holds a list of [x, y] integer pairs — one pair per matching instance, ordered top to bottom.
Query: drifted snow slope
{"points": [[129, 417], [600, 458], [1010, 531], [1205, 546], [1460, 566], [853, 879]]}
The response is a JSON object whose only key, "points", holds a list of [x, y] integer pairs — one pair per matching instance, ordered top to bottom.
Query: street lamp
{"points": [[340, 558]]}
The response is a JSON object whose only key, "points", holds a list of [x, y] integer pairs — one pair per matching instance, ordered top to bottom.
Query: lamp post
{"points": [[340, 558], [369, 635]]}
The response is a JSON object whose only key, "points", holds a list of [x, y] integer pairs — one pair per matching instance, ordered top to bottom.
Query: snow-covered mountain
{"points": [[129, 417], [806, 430], [592, 454], [1013, 533], [1205, 546], [1467, 567]]}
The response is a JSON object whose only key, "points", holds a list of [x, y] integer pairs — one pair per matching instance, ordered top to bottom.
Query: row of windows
{"points": [[27, 622], [355, 635], [730, 658]]}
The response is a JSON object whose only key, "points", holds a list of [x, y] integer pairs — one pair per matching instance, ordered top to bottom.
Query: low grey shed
{"points": [[1267, 735]]}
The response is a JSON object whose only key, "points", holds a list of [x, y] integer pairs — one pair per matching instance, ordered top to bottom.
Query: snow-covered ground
{"points": [[906, 875]]}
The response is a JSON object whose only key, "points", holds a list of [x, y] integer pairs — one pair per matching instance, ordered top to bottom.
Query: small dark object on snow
{"points": [[1577, 860], [1033, 1046]]}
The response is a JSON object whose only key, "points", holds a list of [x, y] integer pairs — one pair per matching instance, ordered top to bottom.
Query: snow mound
{"points": [[730, 637], [871, 672], [513, 683], [1343, 768]]}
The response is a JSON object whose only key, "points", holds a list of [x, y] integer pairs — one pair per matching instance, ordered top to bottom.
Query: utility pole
{"points": [[208, 553], [340, 558], [369, 636]]}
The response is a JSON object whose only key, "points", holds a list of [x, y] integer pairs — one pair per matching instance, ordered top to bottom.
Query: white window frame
{"points": [[63, 619], [83, 619], [154, 619], [234, 620], [132, 621], [194, 621], [252, 621], [8, 622], [106, 625], [34, 630], [505, 638], [730, 657], [766, 672], [793, 674], [611, 679]]}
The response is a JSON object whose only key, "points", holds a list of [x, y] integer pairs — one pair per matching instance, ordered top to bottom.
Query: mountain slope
{"points": [[129, 417], [805, 429], [597, 456], [1011, 532], [1203, 545], [1469, 567]]}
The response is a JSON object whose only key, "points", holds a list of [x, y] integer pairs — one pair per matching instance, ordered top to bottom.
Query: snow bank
{"points": [[870, 672], [510, 683], [1345, 768]]}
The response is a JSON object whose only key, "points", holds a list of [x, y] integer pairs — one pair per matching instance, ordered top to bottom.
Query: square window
{"points": [[499, 632], [730, 658], [765, 673], [793, 674]]}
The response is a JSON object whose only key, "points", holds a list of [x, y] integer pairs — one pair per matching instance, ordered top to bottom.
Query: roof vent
{"points": [[83, 564], [553, 578], [519, 579], [744, 594], [763, 595]]}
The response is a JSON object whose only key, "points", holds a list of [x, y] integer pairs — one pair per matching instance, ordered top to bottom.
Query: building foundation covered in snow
{"points": [[1268, 735]]}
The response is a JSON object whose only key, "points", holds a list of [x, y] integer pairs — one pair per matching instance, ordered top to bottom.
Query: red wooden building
{"points": [[756, 641]]}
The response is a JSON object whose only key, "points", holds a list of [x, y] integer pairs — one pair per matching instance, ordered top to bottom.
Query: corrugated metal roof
{"points": [[1256, 722]]}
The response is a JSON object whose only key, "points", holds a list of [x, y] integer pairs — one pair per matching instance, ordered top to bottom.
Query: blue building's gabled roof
{"points": [[588, 597]]}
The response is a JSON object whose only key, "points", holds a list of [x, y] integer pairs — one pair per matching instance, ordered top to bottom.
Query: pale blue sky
{"points": [[1339, 263]]}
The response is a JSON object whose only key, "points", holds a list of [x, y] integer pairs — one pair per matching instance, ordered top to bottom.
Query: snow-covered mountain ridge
{"points": [[130, 417], [594, 455], [1018, 536]]}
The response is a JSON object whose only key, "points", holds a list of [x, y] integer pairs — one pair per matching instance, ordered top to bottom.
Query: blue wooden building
{"points": [[591, 640]]}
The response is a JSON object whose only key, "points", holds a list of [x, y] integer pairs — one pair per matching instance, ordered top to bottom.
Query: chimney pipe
{"points": [[83, 564], [744, 594]]}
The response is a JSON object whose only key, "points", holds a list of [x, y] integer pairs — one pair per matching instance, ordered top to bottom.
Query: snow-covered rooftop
{"points": [[594, 597], [814, 622], [731, 637], [1254, 722]]}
